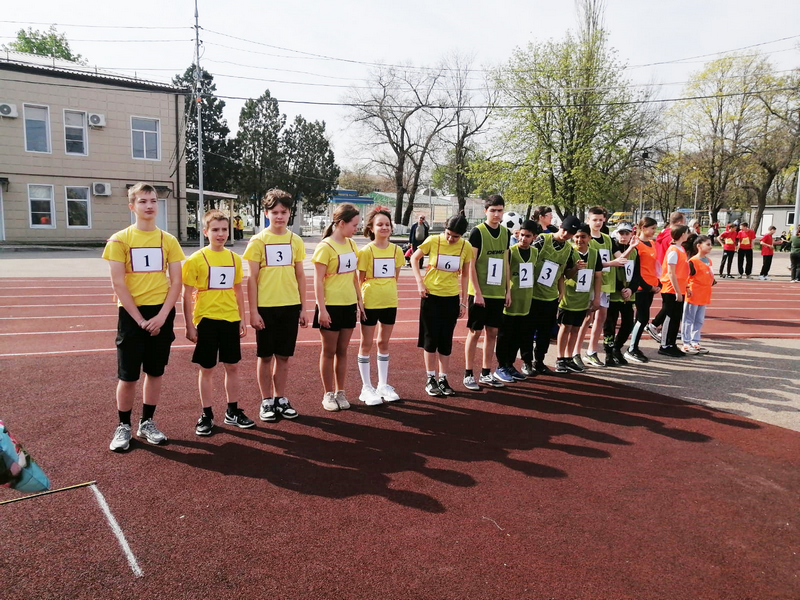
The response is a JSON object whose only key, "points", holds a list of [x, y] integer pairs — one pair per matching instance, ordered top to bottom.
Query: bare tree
{"points": [[402, 113]]}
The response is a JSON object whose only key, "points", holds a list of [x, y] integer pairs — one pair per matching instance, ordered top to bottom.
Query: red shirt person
{"points": [[746, 238], [728, 239], [767, 250]]}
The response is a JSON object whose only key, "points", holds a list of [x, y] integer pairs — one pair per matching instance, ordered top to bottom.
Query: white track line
{"points": [[112, 522]]}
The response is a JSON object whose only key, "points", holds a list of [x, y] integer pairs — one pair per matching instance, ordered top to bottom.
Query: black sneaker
{"points": [[672, 351], [636, 355], [619, 358], [593, 360], [610, 360], [561, 366], [572, 366], [542, 368], [528, 370], [517, 375], [432, 387], [445, 387], [284, 409], [239, 419], [204, 425]]}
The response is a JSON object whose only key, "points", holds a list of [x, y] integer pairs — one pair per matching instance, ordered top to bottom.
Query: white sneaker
{"points": [[688, 349], [470, 384], [387, 392], [369, 397], [341, 400], [329, 402], [150, 433], [122, 438]]}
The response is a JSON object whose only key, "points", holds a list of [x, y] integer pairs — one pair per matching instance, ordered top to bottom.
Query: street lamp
{"points": [[645, 156]]}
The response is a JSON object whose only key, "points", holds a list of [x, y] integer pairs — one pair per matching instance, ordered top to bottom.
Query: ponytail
{"points": [[344, 212]]}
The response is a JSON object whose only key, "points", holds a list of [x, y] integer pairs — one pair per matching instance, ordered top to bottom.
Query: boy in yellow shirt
{"points": [[145, 265], [276, 292], [213, 307]]}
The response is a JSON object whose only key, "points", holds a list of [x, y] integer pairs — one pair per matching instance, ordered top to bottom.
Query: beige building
{"points": [[72, 140]]}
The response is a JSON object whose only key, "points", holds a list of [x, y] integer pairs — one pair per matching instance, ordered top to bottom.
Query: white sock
{"points": [[363, 369], [383, 369], [431, 373], [442, 375]]}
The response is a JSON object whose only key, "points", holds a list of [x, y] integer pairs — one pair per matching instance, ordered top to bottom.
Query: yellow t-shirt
{"points": [[146, 255], [276, 255], [341, 261], [446, 261], [214, 274], [379, 289]]}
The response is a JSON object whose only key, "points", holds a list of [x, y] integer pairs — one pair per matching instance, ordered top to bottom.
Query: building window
{"points": [[37, 128], [75, 132], [144, 138], [40, 200], [79, 208], [790, 218]]}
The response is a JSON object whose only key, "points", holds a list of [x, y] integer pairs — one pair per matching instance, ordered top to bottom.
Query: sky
{"points": [[312, 52]]}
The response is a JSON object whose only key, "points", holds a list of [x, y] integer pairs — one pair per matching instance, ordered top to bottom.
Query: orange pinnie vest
{"points": [[648, 262], [681, 271], [700, 283]]}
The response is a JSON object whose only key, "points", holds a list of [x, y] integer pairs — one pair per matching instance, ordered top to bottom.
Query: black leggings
{"points": [[727, 257], [795, 260], [745, 261], [766, 264], [644, 300], [618, 309], [543, 315], [672, 321], [512, 336]]}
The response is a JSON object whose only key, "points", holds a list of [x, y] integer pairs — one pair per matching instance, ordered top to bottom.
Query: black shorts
{"points": [[490, 315], [386, 316], [342, 317], [573, 318], [437, 322], [279, 335], [217, 338], [139, 351]]}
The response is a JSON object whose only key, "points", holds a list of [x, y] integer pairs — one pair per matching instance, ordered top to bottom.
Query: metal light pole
{"points": [[199, 105], [796, 202]]}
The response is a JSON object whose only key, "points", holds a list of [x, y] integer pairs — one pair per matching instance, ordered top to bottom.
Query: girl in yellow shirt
{"points": [[379, 264], [443, 290], [338, 297]]}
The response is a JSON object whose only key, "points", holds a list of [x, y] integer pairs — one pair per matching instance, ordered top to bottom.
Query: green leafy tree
{"points": [[44, 43], [220, 153], [263, 165], [311, 170]]}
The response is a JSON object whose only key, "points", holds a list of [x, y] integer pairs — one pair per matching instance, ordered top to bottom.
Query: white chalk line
{"points": [[112, 522]]}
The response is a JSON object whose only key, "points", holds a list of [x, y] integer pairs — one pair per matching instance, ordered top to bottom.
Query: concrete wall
{"points": [[109, 156]]}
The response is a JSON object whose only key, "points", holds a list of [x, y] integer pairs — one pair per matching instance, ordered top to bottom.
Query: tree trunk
{"points": [[409, 210]]}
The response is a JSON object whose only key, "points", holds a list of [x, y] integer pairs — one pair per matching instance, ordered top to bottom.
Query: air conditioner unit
{"points": [[8, 110], [97, 120], [100, 188]]}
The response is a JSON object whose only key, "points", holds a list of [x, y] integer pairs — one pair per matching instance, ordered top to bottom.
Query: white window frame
{"points": [[47, 127], [85, 132], [158, 133], [88, 201], [52, 207], [790, 220]]}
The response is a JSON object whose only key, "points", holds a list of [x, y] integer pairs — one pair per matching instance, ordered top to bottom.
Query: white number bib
{"points": [[278, 255], [604, 255], [147, 260], [347, 262], [446, 262], [383, 268], [629, 270], [525, 275], [547, 275], [494, 276], [221, 278], [584, 280]]}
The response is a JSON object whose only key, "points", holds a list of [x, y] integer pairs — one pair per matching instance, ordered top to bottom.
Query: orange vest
{"points": [[647, 262], [681, 271], [700, 283]]}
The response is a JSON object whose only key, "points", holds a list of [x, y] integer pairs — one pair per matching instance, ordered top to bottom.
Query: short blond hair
{"points": [[138, 189], [214, 215]]}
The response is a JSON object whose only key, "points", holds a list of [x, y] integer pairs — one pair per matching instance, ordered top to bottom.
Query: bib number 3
{"points": [[547, 275]]}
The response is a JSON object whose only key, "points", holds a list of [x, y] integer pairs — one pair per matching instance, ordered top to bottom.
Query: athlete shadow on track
{"points": [[298, 470]]}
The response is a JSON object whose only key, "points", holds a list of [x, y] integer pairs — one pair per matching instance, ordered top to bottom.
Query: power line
{"points": [[83, 25], [116, 41]]}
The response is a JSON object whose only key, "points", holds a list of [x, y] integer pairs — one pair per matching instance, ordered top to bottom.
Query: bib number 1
{"points": [[147, 260], [494, 274]]}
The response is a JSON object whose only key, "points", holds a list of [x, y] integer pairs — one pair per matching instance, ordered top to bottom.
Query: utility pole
{"points": [[199, 106]]}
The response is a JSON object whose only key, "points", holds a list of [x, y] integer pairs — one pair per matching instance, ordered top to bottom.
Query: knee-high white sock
{"points": [[363, 369], [383, 369]]}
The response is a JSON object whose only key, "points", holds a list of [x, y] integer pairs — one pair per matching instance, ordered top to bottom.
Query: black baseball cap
{"points": [[571, 224]]}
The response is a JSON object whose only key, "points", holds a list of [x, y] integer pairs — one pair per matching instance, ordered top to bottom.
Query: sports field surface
{"points": [[604, 485]]}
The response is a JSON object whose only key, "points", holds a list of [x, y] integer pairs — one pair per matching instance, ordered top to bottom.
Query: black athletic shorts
{"points": [[490, 315], [387, 316], [342, 317], [574, 318], [437, 322], [279, 335], [217, 338], [137, 350]]}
